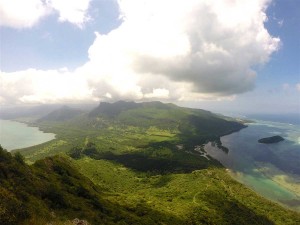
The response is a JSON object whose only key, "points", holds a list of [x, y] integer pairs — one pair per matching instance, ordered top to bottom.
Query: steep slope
{"points": [[62, 114], [52, 190]]}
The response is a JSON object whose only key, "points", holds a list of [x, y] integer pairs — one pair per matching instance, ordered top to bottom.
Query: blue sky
{"points": [[225, 56]]}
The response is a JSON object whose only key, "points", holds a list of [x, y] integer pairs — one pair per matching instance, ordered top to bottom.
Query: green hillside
{"points": [[165, 116], [128, 127], [133, 163], [57, 190], [53, 191]]}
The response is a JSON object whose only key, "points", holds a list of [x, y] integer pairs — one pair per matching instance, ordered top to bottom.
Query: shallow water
{"points": [[15, 135], [272, 170]]}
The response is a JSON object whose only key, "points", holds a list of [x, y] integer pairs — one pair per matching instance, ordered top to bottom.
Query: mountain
{"points": [[113, 109], [62, 114], [190, 122], [131, 163], [52, 191]]}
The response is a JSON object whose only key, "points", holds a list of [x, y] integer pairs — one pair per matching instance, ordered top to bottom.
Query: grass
{"points": [[208, 195]]}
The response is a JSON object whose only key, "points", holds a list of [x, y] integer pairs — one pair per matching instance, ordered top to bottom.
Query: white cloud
{"points": [[74, 11], [27, 13], [22, 14], [211, 45], [165, 49], [35, 86], [158, 93]]}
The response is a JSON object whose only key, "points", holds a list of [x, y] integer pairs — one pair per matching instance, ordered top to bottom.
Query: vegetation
{"points": [[124, 127], [271, 140], [131, 163], [53, 190]]}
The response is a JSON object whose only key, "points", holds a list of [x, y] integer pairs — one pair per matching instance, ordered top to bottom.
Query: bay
{"points": [[15, 135], [272, 170]]}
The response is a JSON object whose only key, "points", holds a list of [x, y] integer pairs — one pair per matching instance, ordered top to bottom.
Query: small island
{"points": [[271, 140]]}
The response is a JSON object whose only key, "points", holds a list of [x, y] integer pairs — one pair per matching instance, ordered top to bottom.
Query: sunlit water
{"points": [[15, 135], [273, 170]]}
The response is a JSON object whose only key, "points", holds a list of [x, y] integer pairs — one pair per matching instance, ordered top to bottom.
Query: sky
{"points": [[235, 56]]}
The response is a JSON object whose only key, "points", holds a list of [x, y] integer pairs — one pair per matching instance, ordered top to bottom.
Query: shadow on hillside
{"points": [[144, 163], [52, 189], [225, 210]]}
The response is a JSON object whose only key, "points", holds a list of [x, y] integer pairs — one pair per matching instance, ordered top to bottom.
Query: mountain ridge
{"points": [[61, 114]]}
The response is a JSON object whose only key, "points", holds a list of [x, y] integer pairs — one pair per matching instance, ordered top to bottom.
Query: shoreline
{"points": [[35, 131], [281, 176], [289, 183], [285, 203]]}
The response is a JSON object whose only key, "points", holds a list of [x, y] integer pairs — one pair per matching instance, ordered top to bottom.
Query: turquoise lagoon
{"points": [[15, 135], [272, 170]]}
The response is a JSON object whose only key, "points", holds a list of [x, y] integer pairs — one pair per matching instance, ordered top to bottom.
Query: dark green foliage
{"points": [[271, 140], [90, 149], [75, 152], [19, 157], [144, 163], [53, 185], [207, 196], [54, 197], [12, 209], [226, 210]]}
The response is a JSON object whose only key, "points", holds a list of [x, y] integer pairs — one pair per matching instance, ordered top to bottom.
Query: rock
{"points": [[77, 221]]}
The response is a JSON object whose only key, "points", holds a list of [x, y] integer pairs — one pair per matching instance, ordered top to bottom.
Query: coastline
{"points": [[21, 133], [265, 179], [292, 204]]}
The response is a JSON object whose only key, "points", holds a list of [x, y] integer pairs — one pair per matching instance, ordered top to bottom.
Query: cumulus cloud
{"points": [[74, 11], [27, 13], [22, 14], [211, 46], [169, 49], [35, 86]]}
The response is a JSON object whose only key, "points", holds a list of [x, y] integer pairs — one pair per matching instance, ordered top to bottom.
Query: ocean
{"points": [[15, 135], [272, 170]]}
